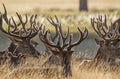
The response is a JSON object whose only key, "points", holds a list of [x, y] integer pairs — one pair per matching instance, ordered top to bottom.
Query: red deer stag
{"points": [[20, 37], [109, 43], [62, 46]]}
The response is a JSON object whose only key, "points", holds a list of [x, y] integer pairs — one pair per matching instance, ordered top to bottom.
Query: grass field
{"points": [[67, 12], [34, 70]]}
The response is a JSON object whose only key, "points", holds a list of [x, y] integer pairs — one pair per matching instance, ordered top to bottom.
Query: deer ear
{"points": [[99, 42]]}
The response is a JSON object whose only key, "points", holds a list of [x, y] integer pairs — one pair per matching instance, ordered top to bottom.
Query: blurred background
{"points": [[42, 5], [71, 13]]}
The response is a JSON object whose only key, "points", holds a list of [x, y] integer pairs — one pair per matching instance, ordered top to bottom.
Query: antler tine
{"points": [[5, 14], [6, 18], [31, 18], [35, 18], [100, 18], [56, 19], [50, 20], [9, 22], [33, 22], [93, 22], [105, 22], [1, 23], [23, 23], [55, 24], [40, 26], [116, 26], [1, 27], [15, 28], [110, 28], [99, 29], [43, 31], [118, 31], [15, 32], [59, 32], [68, 32], [105, 32], [10, 33], [35, 33], [115, 34], [17, 35], [32, 35], [83, 35], [113, 37], [44, 38], [64, 38], [58, 41], [70, 41]]}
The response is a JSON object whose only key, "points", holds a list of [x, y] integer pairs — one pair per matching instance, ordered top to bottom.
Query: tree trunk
{"points": [[83, 5]]}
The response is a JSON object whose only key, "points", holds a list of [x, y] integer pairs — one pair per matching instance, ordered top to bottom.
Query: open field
{"points": [[30, 5], [68, 14]]}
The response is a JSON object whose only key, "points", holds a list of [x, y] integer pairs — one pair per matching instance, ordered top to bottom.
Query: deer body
{"points": [[20, 36], [60, 45], [109, 49]]}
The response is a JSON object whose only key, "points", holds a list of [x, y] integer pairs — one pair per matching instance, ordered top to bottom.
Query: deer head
{"points": [[19, 34], [109, 42], [61, 45]]}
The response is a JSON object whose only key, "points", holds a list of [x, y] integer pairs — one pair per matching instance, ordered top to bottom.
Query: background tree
{"points": [[83, 5]]}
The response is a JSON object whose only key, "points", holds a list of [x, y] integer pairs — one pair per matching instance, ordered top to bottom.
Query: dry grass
{"points": [[34, 70]]}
